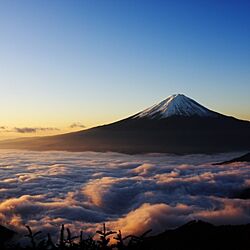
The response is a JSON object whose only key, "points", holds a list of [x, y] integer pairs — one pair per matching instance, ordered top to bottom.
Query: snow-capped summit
{"points": [[176, 105], [201, 131]]}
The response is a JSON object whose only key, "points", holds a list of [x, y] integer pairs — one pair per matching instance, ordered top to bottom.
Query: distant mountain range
{"points": [[176, 125], [243, 158], [245, 192]]}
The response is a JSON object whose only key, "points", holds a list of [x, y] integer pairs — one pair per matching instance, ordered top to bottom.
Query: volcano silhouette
{"points": [[176, 125]]}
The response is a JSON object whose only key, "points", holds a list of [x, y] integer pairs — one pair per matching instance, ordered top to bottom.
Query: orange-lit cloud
{"points": [[132, 193]]}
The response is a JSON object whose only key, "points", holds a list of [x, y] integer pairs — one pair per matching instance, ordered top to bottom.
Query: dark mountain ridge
{"points": [[179, 125], [243, 158], [198, 235]]}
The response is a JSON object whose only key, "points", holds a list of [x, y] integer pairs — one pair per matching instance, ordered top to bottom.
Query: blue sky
{"points": [[98, 61]]}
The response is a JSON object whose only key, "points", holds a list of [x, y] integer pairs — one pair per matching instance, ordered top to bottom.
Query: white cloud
{"points": [[132, 193]]}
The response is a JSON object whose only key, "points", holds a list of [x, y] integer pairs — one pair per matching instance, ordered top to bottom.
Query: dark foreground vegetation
{"points": [[195, 235]]}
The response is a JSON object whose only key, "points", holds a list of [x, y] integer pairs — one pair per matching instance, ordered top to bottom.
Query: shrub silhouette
{"points": [[194, 235], [32, 237], [104, 240], [120, 241], [136, 241], [69, 242]]}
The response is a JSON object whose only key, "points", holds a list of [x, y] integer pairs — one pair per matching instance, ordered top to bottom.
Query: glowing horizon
{"points": [[96, 63], [52, 128]]}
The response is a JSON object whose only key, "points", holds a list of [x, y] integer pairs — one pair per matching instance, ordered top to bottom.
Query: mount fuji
{"points": [[176, 105], [178, 124]]}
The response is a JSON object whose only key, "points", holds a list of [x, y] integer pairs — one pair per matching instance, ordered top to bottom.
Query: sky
{"points": [[69, 65]]}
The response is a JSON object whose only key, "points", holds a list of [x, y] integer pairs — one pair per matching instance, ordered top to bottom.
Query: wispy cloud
{"points": [[77, 125], [33, 129], [23, 130]]}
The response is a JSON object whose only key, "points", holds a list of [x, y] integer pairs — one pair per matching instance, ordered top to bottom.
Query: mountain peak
{"points": [[176, 105]]}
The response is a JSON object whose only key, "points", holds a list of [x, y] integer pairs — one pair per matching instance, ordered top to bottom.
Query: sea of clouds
{"points": [[129, 192]]}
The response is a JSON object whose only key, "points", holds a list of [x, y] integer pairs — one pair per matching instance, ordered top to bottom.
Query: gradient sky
{"points": [[94, 62]]}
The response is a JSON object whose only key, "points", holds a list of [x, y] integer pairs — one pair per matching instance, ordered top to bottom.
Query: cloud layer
{"points": [[132, 193]]}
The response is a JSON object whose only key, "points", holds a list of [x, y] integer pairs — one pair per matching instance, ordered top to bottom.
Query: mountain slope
{"points": [[176, 105], [176, 125], [243, 158], [6, 235], [198, 235]]}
